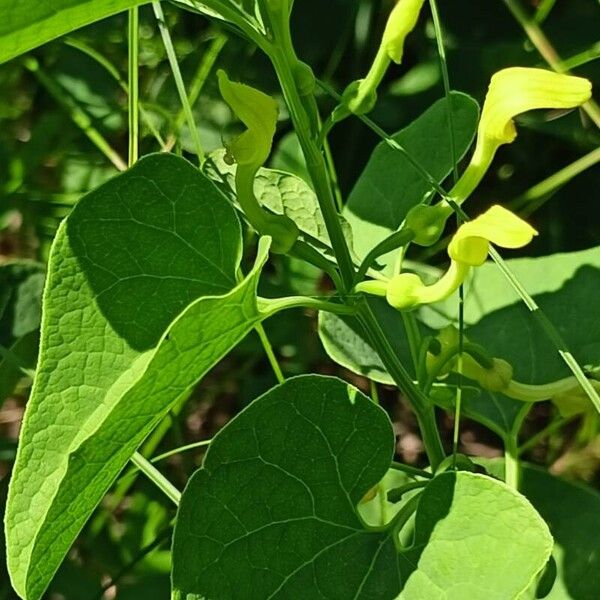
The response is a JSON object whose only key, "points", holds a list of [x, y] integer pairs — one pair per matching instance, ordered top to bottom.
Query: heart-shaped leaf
{"points": [[140, 301], [272, 513], [474, 538]]}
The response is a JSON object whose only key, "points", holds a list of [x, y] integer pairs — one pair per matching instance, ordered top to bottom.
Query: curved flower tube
{"points": [[401, 22], [512, 92], [360, 96], [250, 151], [469, 248], [496, 375]]}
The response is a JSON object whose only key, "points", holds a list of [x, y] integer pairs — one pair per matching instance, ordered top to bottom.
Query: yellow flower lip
{"points": [[401, 22], [516, 90], [511, 92], [258, 112], [499, 226], [469, 248]]}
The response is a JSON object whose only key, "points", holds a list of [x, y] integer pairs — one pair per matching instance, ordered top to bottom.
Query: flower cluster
{"points": [[469, 248]]}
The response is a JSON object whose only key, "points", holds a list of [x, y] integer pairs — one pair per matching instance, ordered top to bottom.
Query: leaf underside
{"points": [[140, 301]]}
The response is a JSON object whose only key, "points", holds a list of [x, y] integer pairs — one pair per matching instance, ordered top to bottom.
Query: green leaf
{"points": [[27, 24], [390, 186], [279, 192], [21, 285], [566, 287], [141, 300], [522, 341], [346, 342], [15, 361], [571, 511], [273, 512], [474, 538]]}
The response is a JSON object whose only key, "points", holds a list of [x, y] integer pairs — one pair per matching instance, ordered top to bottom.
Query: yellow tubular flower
{"points": [[401, 22], [511, 92], [360, 96], [258, 112], [250, 151], [471, 243], [469, 248]]}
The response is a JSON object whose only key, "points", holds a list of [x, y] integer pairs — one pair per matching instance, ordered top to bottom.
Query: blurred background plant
{"points": [[63, 114]]}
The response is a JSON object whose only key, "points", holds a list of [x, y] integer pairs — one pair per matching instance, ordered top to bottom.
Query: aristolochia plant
{"points": [[144, 294]]}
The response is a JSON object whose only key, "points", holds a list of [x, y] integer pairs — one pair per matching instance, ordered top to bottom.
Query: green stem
{"points": [[543, 10], [439, 36], [172, 57], [581, 58], [204, 68], [114, 73], [133, 84], [77, 114], [391, 142], [316, 165], [536, 196], [339, 201], [392, 242], [305, 252], [270, 306], [549, 329], [413, 335], [264, 340], [475, 351], [11, 358], [527, 392], [423, 408], [554, 426], [180, 449], [511, 463], [411, 471], [154, 475], [125, 482], [381, 493], [395, 495], [402, 517], [163, 537]]}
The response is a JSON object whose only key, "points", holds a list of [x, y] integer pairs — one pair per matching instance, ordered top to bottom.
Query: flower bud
{"points": [[401, 22], [304, 78], [258, 112], [250, 151], [427, 223], [404, 291], [447, 338]]}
